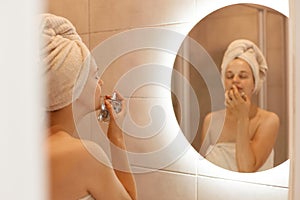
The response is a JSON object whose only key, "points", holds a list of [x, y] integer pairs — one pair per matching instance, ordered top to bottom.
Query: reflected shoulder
{"points": [[269, 116]]}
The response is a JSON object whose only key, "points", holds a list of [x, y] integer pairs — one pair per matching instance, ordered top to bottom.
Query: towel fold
{"points": [[248, 51], [63, 55], [223, 155], [88, 197]]}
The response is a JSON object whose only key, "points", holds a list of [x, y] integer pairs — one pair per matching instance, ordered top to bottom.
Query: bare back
{"points": [[75, 173]]}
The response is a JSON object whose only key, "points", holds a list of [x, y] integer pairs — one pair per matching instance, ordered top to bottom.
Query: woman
{"points": [[73, 91], [241, 137]]}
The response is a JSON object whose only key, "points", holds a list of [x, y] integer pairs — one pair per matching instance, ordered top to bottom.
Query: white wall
{"points": [[295, 140], [21, 148]]}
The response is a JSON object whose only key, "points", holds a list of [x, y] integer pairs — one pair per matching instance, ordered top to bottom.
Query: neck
{"points": [[253, 111], [61, 120]]}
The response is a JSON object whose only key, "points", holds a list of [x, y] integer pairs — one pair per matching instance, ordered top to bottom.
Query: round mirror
{"points": [[266, 28]]}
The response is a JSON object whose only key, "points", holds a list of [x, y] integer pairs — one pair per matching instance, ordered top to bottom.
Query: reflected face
{"points": [[239, 73]]}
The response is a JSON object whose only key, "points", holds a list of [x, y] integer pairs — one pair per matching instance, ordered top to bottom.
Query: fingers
{"points": [[231, 94], [227, 95], [238, 95], [118, 96], [244, 96], [234, 97], [228, 99], [228, 103], [115, 105], [108, 106]]}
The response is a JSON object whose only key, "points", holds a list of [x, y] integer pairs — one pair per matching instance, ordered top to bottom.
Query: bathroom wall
{"points": [[184, 177]]}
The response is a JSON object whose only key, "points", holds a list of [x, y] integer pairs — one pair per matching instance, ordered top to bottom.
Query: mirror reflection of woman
{"points": [[247, 136]]}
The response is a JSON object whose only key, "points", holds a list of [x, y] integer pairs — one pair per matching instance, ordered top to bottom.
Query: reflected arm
{"points": [[251, 153]]}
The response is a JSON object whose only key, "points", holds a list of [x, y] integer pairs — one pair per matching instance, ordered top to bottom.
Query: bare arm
{"points": [[118, 150], [251, 153], [99, 175]]}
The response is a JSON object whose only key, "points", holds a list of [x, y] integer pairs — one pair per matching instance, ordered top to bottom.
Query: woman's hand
{"points": [[237, 103], [109, 105], [114, 132], [118, 147]]}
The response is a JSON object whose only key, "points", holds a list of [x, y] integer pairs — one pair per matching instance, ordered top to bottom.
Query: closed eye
{"points": [[229, 75], [243, 75]]}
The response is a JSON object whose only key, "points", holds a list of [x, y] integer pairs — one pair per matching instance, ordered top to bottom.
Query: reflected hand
{"points": [[238, 103]]}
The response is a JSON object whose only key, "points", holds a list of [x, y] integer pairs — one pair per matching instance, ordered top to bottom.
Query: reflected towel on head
{"points": [[248, 51], [63, 56]]}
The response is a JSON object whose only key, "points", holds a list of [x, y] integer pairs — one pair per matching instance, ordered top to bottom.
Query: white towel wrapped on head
{"points": [[248, 51], [63, 57]]}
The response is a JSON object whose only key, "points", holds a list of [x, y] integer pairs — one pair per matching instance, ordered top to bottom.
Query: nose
{"points": [[235, 78]]}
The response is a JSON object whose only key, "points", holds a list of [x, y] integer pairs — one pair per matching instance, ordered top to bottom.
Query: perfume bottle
{"points": [[116, 104]]}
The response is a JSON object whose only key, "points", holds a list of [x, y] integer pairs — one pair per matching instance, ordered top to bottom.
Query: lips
{"points": [[240, 89]]}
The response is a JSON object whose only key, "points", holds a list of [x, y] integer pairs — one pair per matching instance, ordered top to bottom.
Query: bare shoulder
{"points": [[214, 114], [208, 117], [268, 118], [268, 125], [67, 153], [72, 162]]}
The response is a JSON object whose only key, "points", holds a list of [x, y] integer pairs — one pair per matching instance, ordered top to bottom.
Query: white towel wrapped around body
{"points": [[248, 51], [223, 155]]}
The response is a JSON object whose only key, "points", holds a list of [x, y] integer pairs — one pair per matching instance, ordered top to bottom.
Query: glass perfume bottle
{"points": [[116, 104]]}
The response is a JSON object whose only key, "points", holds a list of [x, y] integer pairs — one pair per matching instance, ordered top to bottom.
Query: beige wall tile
{"points": [[74, 10], [233, 11], [115, 15], [181, 28], [219, 32], [97, 38], [86, 39], [276, 54], [138, 70], [277, 79], [152, 90], [277, 102], [151, 125], [187, 163], [277, 176], [166, 186], [210, 188]]}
